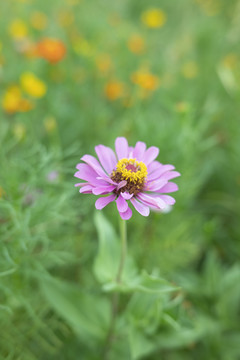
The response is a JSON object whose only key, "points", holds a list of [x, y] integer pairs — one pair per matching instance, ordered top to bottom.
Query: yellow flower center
{"points": [[133, 172]]}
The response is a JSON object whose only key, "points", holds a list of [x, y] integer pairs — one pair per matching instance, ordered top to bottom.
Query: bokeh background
{"points": [[77, 73]]}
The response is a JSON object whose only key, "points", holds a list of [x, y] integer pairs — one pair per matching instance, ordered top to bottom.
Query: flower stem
{"points": [[123, 234], [115, 297]]}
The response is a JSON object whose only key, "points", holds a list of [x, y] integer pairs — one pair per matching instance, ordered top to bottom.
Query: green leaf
{"points": [[108, 257], [145, 283], [144, 311], [87, 314], [140, 345]]}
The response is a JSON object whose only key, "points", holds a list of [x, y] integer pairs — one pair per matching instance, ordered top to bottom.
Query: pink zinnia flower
{"points": [[132, 174]]}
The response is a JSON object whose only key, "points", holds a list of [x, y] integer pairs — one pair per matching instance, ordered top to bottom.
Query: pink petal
{"points": [[121, 146], [139, 150], [130, 152], [150, 155], [106, 157], [92, 161], [153, 166], [159, 171], [87, 173], [171, 175], [81, 184], [121, 184], [155, 185], [168, 188], [86, 189], [103, 190], [126, 195], [169, 200], [104, 201], [151, 201], [122, 205], [140, 207], [126, 215]]}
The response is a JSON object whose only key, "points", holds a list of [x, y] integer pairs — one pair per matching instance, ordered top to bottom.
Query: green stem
{"points": [[123, 234], [115, 297]]}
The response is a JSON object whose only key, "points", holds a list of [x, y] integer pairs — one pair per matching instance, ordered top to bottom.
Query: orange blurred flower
{"points": [[153, 18], [136, 44], [52, 50], [145, 80], [114, 90], [13, 101]]}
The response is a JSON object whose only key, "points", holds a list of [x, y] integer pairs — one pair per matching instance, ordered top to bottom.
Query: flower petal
{"points": [[121, 146], [139, 150], [150, 155], [106, 157], [92, 161], [154, 165], [159, 171], [87, 173], [171, 175], [81, 184], [121, 184], [155, 185], [168, 188], [86, 189], [103, 190], [126, 195], [169, 200], [104, 201], [151, 201], [122, 205], [140, 207], [126, 215]]}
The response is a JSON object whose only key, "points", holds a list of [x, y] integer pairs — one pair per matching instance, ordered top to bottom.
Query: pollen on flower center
{"points": [[133, 171]]}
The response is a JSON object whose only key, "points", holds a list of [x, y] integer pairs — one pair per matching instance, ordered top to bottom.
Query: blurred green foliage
{"points": [[175, 86]]}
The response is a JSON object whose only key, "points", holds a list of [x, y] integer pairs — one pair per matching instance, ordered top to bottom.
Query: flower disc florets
{"points": [[133, 172]]}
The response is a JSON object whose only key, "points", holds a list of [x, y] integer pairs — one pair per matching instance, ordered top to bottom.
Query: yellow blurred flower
{"points": [[73, 2], [210, 7], [66, 18], [154, 18], [38, 20], [18, 29], [136, 44], [83, 47], [230, 61], [104, 63], [190, 69], [145, 80], [32, 85], [114, 90], [13, 102], [182, 107], [50, 124], [19, 131], [2, 192]]}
